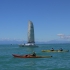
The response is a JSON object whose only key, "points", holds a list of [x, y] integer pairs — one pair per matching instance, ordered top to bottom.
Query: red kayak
{"points": [[30, 56]]}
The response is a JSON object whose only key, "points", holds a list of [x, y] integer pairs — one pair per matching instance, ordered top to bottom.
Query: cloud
{"points": [[62, 36], [8, 39]]}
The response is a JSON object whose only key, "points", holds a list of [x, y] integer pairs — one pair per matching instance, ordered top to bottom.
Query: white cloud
{"points": [[60, 34], [64, 36], [8, 39]]}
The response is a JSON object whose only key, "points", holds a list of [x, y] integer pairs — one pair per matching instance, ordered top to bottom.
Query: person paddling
{"points": [[52, 49], [61, 49], [34, 54], [29, 55]]}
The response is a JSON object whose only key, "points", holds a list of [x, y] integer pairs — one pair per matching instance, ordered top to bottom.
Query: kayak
{"points": [[55, 51], [29, 56]]}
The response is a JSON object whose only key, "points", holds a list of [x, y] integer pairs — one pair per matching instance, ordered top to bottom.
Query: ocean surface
{"points": [[59, 61]]}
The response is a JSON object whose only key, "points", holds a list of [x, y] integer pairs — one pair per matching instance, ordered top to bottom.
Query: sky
{"points": [[51, 19]]}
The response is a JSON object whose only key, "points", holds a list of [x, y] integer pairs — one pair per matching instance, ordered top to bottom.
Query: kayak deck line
{"points": [[24, 56]]}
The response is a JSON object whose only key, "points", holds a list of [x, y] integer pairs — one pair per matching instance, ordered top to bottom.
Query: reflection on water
{"points": [[31, 63]]}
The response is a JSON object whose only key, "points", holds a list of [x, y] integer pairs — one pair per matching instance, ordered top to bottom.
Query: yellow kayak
{"points": [[55, 51]]}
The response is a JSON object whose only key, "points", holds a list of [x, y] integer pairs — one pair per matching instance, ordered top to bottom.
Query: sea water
{"points": [[59, 61]]}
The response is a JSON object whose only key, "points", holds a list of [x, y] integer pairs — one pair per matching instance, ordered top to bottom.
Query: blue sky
{"points": [[51, 19]]}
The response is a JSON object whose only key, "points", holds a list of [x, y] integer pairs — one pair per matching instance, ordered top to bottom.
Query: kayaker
{"points": [[52, 49], [61, 49], [34, 54], [26, 55]]}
